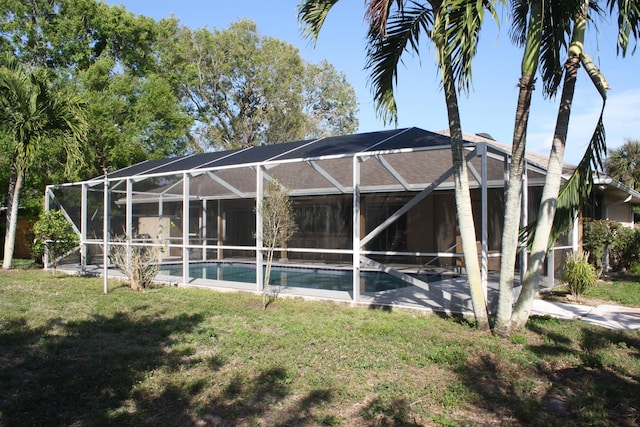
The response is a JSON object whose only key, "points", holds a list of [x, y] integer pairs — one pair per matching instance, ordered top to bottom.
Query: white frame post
{"points": [[47, 195], [129, 219], [524, 219], [185, 227], [259, 227], [83, 228], [356, 228], [203, 229], [105, 234], [484, 265]]}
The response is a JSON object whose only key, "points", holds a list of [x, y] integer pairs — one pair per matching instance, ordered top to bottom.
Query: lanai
{"points": [[380, 200]]}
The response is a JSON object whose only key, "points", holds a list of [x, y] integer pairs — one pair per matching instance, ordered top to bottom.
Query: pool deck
{"points": [[448, 295]]}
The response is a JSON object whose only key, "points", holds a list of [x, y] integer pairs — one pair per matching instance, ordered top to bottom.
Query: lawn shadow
{"points": [[97, 371], [80, 372], [576, 381], [265, 396], [394, 412]]}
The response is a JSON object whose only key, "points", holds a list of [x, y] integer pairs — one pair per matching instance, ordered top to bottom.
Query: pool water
{"points": [[297, 277]]}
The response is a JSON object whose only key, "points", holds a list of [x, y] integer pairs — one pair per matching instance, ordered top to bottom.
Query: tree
{"points": [[453, 27], [539, 27], [73, 34], [111, 56], [244, 89], [330, 104], [33, 110], [131, 118], [623, 164], [575, 191], [278, 225], [54, 236], [139, 262]]}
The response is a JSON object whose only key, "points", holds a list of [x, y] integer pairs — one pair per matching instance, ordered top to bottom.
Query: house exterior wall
{"points": [[620, 212]]}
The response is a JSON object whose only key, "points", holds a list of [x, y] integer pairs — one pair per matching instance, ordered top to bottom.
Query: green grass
{"points": [[618, 290], [622, 290], [70, 355]]}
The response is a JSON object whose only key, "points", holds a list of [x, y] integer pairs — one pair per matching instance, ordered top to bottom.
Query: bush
{"points": [[53, 235], [598, 236], [625, 250], [138, 262], [578, 274]]}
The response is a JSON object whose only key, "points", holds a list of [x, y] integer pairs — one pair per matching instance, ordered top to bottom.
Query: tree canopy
{"points": [[154, 89], [245, 89], [623, 163]]}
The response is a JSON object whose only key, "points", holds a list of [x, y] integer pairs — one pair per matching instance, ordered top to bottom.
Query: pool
{"points": [[297, 277]]}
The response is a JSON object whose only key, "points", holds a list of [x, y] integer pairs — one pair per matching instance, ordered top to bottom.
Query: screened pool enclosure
{"points": [[373, 202]]}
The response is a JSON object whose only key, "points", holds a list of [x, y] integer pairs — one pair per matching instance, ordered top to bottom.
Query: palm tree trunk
{"points": [[552, 181], [15, 187], [463, 207], [512, 207]]}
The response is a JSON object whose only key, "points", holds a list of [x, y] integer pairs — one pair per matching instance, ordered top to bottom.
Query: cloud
{"points": [[621, 120]]}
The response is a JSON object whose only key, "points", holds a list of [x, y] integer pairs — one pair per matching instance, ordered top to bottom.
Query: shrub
{"points": [[278, 225], [53, 235], [598, 236], [625, 250], [138, 262], [578, 274]]}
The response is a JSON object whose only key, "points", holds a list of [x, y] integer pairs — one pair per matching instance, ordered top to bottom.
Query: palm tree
{"points": [[540, 27], [394, 28], [32, 109], [623, 164], [575, 191]]}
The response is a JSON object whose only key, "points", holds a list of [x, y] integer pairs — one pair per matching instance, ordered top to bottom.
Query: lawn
{"points": [[614, 289], [70, 355]]}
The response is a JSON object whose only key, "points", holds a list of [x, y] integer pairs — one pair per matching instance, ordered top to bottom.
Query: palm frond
{"points": [[377, 12], [312, 14], [628, 22], [557, 23], [519, 27], [456, 33], [402, 34], [33, 109], [576, 191]]}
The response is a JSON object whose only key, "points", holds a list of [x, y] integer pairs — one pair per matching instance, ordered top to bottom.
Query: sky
{"points": [[489, 107]]}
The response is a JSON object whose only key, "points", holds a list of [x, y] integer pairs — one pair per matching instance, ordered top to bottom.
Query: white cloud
{"points": [[621, 120]]}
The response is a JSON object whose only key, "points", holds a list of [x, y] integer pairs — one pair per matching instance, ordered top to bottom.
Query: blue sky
{"points": [[490, 107]]}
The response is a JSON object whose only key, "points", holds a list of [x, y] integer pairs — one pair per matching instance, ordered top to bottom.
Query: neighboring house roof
{"points": [[613, 188], [617, 189]]}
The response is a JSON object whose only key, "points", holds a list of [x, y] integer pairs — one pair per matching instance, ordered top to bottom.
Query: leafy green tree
{"points": [[453, 28], [73, 34], [110, 55], [244, 89], [330, 104], [33, 110], [131, 118], [623, 164], [53, 236], [598, 236]]}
